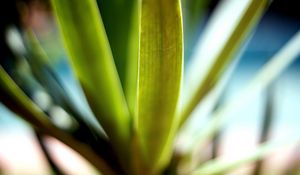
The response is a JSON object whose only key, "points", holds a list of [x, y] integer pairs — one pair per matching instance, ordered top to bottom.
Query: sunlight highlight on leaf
{"points": [[159, 78]]}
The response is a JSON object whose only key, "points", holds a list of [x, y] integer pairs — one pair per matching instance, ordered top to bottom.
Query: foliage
{"points": [[128, 57]]}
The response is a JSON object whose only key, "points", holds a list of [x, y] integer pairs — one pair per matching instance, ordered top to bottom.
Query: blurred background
{"points": [[20, 153]]}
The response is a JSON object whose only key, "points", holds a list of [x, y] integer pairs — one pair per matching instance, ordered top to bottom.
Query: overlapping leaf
{"points": [[121, 25], [229, 27], [91, 58], [264, 77], [14, 98], [220, 166]]}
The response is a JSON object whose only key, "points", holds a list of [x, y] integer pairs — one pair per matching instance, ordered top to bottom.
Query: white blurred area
{"points": [[241, 134], [20, 153]]}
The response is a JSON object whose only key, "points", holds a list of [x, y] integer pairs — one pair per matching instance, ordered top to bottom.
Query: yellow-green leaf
{"points": [[91, 58], [159, 76]]}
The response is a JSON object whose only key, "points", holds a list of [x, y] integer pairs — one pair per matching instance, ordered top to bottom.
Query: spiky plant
{"points": [[128, 57]]}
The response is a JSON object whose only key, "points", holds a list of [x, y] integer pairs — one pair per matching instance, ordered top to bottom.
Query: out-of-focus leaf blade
{"points": [[193, 14], [228, 29], [89, 51], [159, 76], [264, 77], [13, 97], [207, 107], [266, 125], [82, 129], [46, 153], [218, 165]]}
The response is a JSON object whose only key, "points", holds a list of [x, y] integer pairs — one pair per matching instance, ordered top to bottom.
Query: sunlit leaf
{"points": [[91, 58], [159, 77]]}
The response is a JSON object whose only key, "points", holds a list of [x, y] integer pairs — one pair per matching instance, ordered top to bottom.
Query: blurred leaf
{"points": [[193, 13], [229, 27], [91, 58], [277, 64], [43, 72], [47, 77], [159, 78], [13, 97], [266, 125], [83, 130], [187, 132], [43, 145], [293, 160], [218, 165]]}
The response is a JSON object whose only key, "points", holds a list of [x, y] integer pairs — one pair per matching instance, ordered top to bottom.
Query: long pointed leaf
{"points": [[124, 42], [217, 49], [89, 51], [267, 74], [159, 76], [130, 85], [14, 98], [266, 125], [83, 131], [218, 166]]}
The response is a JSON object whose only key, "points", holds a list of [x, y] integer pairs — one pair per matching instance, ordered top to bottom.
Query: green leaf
{"points": [[116, 16], [121, 25], [217, 49], [91, 58], [159, 77], [264, 77], [49, 80], [14, 98], [207, 105], [82, 129], [218, 165]]}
